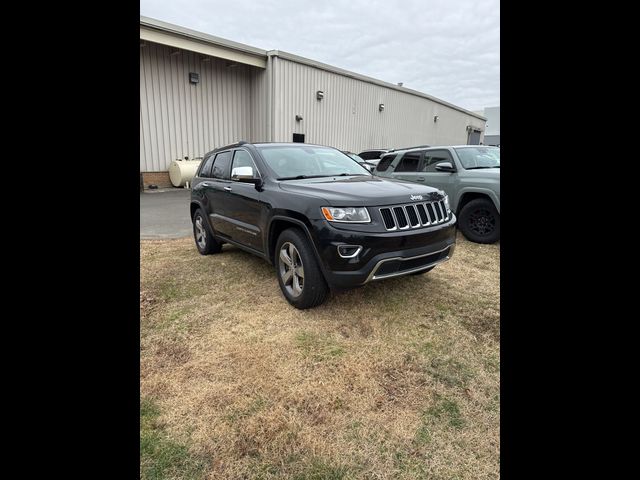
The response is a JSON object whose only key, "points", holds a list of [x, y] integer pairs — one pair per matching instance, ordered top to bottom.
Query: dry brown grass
{"points": [[398, 379]]}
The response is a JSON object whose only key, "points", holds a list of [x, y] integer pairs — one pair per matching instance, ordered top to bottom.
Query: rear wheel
{"points": [[480, 221], [202, 234], [299, 274]]}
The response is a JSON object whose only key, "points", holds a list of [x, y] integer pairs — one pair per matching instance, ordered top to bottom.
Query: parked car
{"points": [[373, 155], [368, 165], [469, 174], [320, 218]]}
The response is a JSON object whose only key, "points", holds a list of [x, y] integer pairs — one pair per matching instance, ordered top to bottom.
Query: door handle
{"points": [[420, 179], [206, 184], [228, 189]]}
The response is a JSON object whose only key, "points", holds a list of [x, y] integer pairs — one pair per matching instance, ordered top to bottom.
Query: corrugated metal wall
{"points": [[229, 104], [348, 117], [178, 119]]}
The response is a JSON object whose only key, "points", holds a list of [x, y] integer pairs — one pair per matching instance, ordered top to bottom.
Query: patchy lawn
{"points": [[398, 379]]}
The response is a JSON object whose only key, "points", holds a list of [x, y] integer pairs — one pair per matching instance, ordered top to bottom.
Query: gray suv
{"points": [[469, 175]]}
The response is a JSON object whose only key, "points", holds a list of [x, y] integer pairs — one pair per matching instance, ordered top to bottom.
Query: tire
{"points": [[480, 221], [203, 236], [293, 250], [423, 271]]}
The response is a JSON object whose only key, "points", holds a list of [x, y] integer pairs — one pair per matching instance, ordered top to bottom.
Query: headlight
{"points": [[446, 203], [346, 214]]}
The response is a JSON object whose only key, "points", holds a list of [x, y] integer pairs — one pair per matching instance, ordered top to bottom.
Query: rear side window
{"points": [[370, 155], [385, 162], [409, 163], [221, 165], [205, 171]]}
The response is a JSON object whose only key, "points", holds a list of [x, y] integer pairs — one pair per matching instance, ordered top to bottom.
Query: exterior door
{"points": [[474, 137], [407, 167], [434, 178], [215, 190], [245, 212]]}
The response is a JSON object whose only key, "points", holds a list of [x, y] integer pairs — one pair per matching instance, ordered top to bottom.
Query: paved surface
{"points": [[165, 214]]}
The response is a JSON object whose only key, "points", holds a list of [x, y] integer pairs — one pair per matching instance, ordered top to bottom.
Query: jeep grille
{"points": [[415, 215]]}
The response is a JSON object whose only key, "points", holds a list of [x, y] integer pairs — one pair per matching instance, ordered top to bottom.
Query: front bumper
{"points": [[383, 255]]}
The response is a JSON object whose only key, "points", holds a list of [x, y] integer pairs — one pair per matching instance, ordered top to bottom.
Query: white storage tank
{"points": [[183, 171]]}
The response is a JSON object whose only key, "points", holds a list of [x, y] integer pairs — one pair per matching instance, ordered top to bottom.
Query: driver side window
{"points": [[432, 158], [243, 165]]}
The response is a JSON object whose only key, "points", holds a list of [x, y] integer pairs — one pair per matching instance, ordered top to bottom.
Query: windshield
{"points": [[356, 157], [479, 157], [304, 161]]}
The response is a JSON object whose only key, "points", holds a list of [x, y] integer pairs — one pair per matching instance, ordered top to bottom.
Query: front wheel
{"points": [[480, 221], [205, 243], [299, 274]]}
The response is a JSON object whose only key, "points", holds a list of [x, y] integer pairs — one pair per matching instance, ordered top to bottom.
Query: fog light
{"points": [[349, 251]]}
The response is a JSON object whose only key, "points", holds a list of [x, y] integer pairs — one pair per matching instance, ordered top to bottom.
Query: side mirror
{"points": [[445, 167], [245, 175]]}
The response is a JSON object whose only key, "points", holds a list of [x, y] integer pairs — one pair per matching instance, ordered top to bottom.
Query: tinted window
{"points": [[370, 155], [432, 158], [384, 163], [409, 163], [243, 164], [221, 165], [205, 171]]}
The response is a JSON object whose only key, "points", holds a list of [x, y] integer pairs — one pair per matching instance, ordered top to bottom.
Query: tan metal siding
{"points": [[259, 113], [348, 116], [178, 119]]}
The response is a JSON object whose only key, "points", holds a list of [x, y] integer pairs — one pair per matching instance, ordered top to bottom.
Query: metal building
{"points": [[199, 92]]}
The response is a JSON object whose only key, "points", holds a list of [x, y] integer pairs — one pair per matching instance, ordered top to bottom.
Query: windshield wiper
{"points": [[349, 175], [300, 177]]}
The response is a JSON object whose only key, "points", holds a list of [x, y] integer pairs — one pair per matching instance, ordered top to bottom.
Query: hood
{"points": [[484, 173], [362, 191]]}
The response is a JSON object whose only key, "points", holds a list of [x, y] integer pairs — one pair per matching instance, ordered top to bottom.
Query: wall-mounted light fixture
{"points": [[174, 52], [231, 64], [194, 77], [400, 84], [319, 94], [381, 107], [298, 118], [435, 118]]}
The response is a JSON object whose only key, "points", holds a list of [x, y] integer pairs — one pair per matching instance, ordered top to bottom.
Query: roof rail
{"points": [[408, 148]]}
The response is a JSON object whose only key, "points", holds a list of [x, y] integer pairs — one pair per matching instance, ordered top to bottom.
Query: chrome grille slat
{"points": [[436, 207], [409, 209], [442, 210], [400, 211], [434, 212], [391, 219], [424, 219]]}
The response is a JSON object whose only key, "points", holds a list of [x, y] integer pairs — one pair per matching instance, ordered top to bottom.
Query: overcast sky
{"points": [[447, 48]]}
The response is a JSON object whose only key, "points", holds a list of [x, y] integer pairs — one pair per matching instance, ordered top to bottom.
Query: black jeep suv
{"points": [[319, 217]]}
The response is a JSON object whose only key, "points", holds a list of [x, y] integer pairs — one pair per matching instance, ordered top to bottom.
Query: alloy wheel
{"points": [[482, 222], [201, 233], [291, 269]]}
